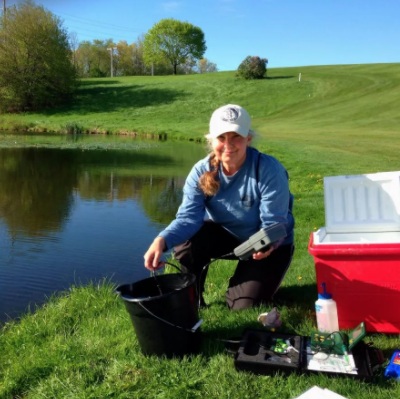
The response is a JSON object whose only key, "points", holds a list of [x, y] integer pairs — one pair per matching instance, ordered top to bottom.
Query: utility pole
{"points": [[111, 50]]}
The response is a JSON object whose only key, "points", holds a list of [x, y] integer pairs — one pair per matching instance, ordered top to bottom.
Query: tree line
{"points": [[92, 60], [40, 61]]}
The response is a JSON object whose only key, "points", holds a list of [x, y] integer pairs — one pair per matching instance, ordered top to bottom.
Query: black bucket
{"points": [[164, 314]]}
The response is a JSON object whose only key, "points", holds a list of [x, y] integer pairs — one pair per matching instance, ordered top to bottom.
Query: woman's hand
{"points": [[153, 254], [262, 255]]}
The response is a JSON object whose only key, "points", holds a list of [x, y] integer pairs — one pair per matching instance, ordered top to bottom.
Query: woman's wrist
{"points": [[160, 240]]}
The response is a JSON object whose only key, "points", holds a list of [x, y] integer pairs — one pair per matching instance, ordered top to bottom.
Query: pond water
{"points": [[74, 215]]}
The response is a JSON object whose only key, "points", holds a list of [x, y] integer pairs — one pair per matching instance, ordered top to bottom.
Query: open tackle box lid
{"points": [[257, 353]]}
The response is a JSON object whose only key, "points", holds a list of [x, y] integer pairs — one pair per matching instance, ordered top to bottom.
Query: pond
{"points": [[74, 214]]}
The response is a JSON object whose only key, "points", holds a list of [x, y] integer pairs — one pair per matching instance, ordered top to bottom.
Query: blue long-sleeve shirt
{"points": [[242, 205]]}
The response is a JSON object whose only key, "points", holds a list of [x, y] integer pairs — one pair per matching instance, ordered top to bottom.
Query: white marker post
{"points": [[300, 77]]}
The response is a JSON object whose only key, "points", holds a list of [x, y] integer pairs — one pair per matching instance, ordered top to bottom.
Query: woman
{"points": [[228, 196]]}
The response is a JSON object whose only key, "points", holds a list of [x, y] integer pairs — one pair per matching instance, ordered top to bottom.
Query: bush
{"points": [[35, 67], [252, 68], [97, 73], [72, 128]]}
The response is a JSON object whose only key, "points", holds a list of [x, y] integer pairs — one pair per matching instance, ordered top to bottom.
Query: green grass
{"points": [[346, 98], [339, 120], [82, 345]]}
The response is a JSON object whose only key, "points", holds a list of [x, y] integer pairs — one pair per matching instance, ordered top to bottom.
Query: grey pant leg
{"points": [[211, 241], [256, 281]]}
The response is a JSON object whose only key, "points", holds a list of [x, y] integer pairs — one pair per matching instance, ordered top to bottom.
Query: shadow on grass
{"points": [[98, 82], [99, 99], [301, 295], [300, 300]]}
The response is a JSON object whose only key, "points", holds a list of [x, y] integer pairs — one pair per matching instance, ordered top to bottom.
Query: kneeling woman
{"points": [[228, 196]]}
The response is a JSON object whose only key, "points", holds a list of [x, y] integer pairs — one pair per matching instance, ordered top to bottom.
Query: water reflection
{"points": [[37, 186], [36, 192], [158, 196], [161, 198], [69, 216]]}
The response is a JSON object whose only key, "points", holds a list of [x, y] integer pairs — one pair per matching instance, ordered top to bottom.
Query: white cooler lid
{"points": [[362, 203]]}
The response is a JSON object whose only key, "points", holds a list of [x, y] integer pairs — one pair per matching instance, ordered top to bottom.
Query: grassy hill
{"points": [[350, 99]]}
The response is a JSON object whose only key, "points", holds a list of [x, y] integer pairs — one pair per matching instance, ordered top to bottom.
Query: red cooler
{"points": [[357, 254]]}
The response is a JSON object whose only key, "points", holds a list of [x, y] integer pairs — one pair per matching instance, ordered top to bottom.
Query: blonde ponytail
{"points": [[209, 182]]}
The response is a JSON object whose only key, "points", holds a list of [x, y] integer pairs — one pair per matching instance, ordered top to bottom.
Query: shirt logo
{"points": [[229, 115]]}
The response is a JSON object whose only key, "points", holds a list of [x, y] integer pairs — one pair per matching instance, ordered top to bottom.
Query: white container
{"points": [[361, 209], [326, 310]]}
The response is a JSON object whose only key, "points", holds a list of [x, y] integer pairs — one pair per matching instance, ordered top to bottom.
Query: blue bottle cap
{"points": [[324, 295]]}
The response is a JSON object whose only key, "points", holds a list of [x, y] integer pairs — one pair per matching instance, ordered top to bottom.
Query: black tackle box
{"points": [[257, 353]]}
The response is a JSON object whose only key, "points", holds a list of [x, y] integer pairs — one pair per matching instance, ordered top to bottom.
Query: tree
{"points": [[174, 41], [74, 45], [124, 58], [130, 58], [138, 58], [35, 59], [84, 59], [93, 59], [101, 59], [205, 66], [188, 67], [252, 68]]}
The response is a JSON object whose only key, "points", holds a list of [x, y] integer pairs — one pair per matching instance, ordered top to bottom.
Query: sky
{"points": [[286, 32]]}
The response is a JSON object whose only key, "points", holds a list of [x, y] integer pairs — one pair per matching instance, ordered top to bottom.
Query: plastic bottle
{"points": [[327, 318]]}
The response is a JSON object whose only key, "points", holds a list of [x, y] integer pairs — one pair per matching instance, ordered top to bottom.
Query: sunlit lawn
{"points": [[329, 99], [82, 345]]}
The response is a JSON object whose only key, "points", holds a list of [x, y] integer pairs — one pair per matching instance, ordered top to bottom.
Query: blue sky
{"points": [[287, 32]]}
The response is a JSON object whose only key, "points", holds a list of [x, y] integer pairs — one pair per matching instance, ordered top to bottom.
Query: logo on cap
{"points": [[229, 115]]}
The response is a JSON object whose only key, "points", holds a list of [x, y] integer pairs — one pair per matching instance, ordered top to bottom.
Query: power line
{"points": [[100, 22], [100, 25], [94, 31], [90, 36], [94, 37]]}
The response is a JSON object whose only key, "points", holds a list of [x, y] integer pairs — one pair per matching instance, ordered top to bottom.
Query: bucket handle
{"points": [[171, 264], [154, 275], [192, 330]]}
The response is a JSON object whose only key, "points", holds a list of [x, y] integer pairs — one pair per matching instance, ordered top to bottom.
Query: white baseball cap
{"points": [[230, 118]]}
